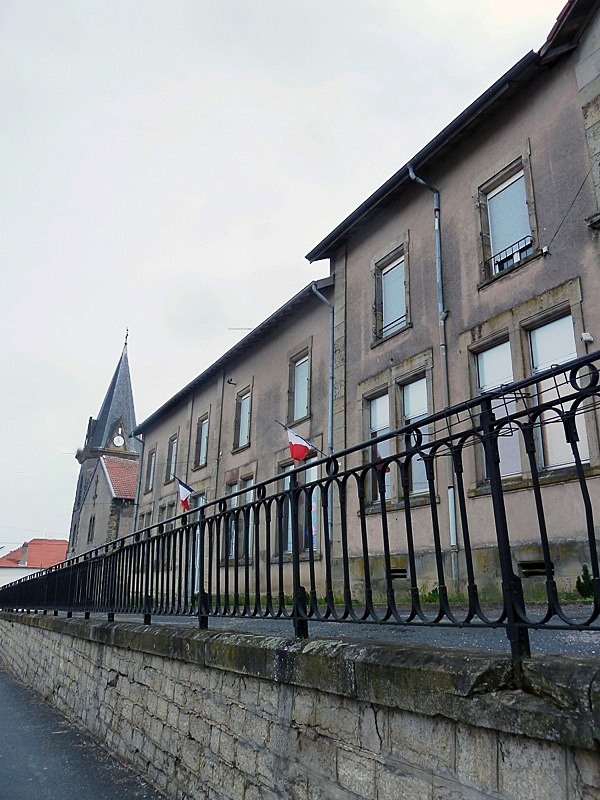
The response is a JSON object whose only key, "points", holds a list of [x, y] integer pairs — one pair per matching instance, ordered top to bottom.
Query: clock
{"points": [[118, 441]]}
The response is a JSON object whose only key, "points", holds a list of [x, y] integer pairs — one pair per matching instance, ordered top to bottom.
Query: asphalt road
{"points": [[43, 756]]}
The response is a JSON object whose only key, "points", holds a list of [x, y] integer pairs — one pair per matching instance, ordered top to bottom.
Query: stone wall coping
{"points": [[557, 698]]}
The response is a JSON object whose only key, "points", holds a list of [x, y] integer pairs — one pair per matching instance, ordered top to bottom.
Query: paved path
{"points": [[45, 757]]}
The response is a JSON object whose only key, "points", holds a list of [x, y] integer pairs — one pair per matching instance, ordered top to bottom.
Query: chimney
{"points": [[23, 559]]}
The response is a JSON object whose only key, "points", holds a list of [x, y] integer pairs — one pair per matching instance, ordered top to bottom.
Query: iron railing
{"points": [[348, 539]]}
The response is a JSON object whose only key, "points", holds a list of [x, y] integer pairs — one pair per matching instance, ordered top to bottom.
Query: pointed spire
{"points": [[117, 407]]}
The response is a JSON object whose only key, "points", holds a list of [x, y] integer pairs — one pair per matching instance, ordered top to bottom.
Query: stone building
{"points": [[474, 265], [104, 506]]}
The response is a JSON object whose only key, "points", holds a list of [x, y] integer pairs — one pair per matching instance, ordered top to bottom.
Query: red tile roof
{"points": [[122, 474], [37, 553]]}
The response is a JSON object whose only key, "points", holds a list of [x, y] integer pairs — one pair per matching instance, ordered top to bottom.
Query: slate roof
{"points": [[117, 404], [122, 476], [37, 553]]}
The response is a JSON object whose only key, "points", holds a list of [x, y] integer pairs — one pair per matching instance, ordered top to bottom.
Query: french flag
{"points": [[299, 447], [184, 494]]}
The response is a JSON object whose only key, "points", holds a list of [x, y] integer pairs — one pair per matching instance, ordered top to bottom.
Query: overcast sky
{"points": [[165, 166]]}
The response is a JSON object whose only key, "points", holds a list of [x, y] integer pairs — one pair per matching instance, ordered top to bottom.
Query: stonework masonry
{"points": [[230, 716]]}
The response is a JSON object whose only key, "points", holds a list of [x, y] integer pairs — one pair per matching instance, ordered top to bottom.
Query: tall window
{"points": [[508, 225], [390, 298], [553, 344], [494, 369], [299, 380], [414, 408], [242, 419], [379, 424], [201, 450], [171, 459], [150, 467], [246, 484], [198, 501], [308, 510], [232, 520], [91, 526]]}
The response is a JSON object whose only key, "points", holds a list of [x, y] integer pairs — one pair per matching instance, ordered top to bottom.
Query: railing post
{"points": [[512, 589], [202, 598], [300, 606]]}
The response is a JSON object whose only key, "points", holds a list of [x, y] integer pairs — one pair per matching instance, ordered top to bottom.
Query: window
{"points": [[506, 223], [390, 298], [553, 344], [494, 369], [299, 385], [414, 408], [242, 419], [379, 423], [200, 453], [171, 459], [150, 467], [198, 501], [308, 509], [232, 520], [91, 526]]}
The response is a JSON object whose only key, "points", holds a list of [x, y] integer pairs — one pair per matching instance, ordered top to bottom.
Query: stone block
{"points": [[427, 743], [317, 755], [477, 757], [526, 765], [356, 773], [583, 775], [395, 784]]}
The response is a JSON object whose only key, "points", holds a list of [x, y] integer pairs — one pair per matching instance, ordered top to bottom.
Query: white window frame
{"points": [[509, 440], [554, 450]]}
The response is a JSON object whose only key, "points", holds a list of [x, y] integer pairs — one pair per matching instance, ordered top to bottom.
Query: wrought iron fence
{"points": [[432, 534]]}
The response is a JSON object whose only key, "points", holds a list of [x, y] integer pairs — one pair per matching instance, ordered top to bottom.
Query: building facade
{"points": [[476, 265], [473, 266]]}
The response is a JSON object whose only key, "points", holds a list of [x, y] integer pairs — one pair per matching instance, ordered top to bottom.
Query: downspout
{"points": [[323, 299], [442, 315], [138, 483]]}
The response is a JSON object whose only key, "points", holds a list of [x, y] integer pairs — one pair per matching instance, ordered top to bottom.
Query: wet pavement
{"points": [[43, 756]]}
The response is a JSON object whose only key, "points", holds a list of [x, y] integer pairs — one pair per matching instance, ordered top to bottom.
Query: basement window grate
{"points": [[532, 569], [399, 572]]}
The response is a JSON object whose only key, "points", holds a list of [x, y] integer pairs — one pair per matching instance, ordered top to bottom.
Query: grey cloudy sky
{"points": [[165, 167]]}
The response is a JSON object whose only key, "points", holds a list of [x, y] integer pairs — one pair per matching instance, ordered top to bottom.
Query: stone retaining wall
{"points": [[231, 716]]}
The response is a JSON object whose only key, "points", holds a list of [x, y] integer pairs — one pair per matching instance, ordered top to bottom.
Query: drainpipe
{"points": [[323, 299], [442, 315], [139, 482]]}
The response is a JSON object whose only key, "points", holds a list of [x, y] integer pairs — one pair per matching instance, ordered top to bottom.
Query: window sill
{"points": [[488, 280], [382, 339], [298, 421], [240, 448], [197, 467], [548, 477], [416, 501], [304, 556], [231, 562]]}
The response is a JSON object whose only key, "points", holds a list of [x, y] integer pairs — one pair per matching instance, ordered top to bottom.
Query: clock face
{"points": [[118, 441]]}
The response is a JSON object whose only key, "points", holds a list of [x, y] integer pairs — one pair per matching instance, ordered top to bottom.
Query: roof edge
{"points": [[529, 63], [237, 349]]}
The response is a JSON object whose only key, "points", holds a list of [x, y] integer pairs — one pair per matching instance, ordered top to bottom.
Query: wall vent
{"points": [[532, 569]]}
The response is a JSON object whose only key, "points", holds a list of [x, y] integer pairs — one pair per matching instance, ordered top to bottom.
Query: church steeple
{"points": [[116, 420], [104, 499]]}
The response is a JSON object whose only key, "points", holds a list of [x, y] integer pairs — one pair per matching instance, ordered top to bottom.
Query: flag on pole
{"points": [[299, 447], [184, 493]]}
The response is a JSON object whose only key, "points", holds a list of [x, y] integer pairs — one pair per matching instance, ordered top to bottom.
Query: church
{"points": [[104, 507]]}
